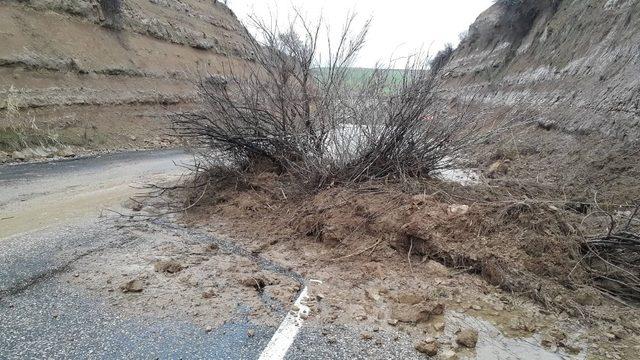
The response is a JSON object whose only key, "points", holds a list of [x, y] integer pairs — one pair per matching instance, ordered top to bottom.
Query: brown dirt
{"points": [[390, 254], [166, 274]]}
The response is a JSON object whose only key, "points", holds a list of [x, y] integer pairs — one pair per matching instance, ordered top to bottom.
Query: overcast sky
{"points": [[399, 26]]}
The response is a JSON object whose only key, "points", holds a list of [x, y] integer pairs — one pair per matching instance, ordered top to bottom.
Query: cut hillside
{"points": [[565, 64], [102, 75]]}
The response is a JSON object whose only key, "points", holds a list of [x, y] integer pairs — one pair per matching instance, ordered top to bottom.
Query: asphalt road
{"points": [[52, 216]]}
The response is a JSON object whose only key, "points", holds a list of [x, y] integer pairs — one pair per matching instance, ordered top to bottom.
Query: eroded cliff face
{"points": [[573, 65], [104, 73]]}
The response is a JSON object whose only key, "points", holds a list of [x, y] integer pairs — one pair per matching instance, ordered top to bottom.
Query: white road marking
{"points": [[285, 335]]}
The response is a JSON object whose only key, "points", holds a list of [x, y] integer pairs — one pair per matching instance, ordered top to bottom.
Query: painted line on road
{"points": [[285, 335]]}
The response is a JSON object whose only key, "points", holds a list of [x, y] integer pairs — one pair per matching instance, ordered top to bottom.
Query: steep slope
{"points": [[572, 65], [103, 73]]}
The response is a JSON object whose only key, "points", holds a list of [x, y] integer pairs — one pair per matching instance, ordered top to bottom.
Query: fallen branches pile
{"points": [[613, 260]]}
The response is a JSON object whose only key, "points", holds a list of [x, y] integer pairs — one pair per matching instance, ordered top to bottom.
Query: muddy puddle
{"points": [[494, 344]]}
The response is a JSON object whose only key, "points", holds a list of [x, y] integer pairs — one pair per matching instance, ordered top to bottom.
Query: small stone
{"points": [[65, 152], [19, 155], [458, 210], [168, 266], [133, 286], [208, 294], [373, 294], [319, 296], [476, 307], [295, 308], [418, 313], [392, 322], [438, 326], [208, 329], [251, 333], [620, 333], [366, 335], [610, 336], [467, 338], [429, 340], [378, 342], [573, 347], [428, 348], [449, 355]]}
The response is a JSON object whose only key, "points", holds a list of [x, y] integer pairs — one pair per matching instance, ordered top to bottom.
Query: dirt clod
{"points": [[168, 266], [133, 286], [417, 313], [366, 335], [467, 338], [428, 347], [449, 355]]}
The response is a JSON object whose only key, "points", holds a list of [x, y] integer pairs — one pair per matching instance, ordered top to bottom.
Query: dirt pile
{"points": [[70, 75], [520, 245], [407, 257]]}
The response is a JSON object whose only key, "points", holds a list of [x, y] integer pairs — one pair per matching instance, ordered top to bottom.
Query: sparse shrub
{"points": [[441, 59], [302, 114]]}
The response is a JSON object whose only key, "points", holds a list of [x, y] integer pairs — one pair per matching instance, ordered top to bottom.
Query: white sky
{"points": [[400, 27]]}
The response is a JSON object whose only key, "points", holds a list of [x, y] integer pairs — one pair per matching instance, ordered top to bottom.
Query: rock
{"points": [[132, 138], [65, 152], [20, 156], [4, 157], [498, 168], [458, 210], [168, 266], [436, 268], [257, 282], [133, 286], [208, 294], [319, 297], [476, 307], [418, 313], [392, 322], [438, 326], [208, 329], [251, 333], [366, 335], [467, 338], [429, 348], [573, 348], [449, 355]]}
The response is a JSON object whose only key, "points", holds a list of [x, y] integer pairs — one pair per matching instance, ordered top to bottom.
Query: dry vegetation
{"points": [[300, 112], [303, 154]]}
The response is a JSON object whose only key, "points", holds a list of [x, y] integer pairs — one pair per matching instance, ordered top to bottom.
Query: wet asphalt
{"points": [[43, 317]]}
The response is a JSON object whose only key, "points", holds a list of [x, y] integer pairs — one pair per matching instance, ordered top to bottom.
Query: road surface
{"points": [[54, 232]]}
